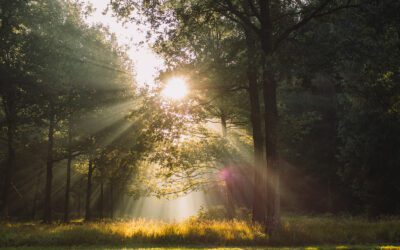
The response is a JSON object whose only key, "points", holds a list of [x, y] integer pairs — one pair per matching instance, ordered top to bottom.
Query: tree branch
{"points": [[254, 9], [317, 13], [241, 16], [300, 24]]}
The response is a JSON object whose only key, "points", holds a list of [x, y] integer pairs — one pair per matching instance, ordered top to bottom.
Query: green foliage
{"points": [[59, 77], [338, 98], [368, 128]]}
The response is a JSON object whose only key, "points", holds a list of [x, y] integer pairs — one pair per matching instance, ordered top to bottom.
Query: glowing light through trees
{"points": [[176, 89]]}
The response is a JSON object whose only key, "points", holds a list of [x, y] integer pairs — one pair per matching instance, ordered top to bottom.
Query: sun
{"points": [[176, 89]]}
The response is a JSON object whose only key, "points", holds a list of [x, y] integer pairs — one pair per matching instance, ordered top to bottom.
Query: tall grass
{"points": [[336, 230], [295, 231], [134, 232]]}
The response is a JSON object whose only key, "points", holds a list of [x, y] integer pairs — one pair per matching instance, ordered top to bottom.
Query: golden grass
{"points": [[296, 231], [132, 232]]}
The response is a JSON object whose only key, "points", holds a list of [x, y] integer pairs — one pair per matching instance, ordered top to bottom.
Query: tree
{"points": [[272, 23], [13, 63], [369, 108]]}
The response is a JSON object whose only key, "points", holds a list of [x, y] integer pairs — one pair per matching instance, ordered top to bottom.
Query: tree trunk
{"points": [[10, 111], [271, 119], [223, 125], [69, 161], [36, 196], [101, 196], [80, 198], [111, 199], [229, 203], [258, 212], [88, 215], [47, 216]]}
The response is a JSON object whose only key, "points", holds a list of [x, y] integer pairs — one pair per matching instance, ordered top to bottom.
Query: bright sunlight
{"points": [[176, 89], [127, 124]]}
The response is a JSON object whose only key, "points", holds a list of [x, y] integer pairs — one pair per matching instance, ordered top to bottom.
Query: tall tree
{"points": [[272, 23]]}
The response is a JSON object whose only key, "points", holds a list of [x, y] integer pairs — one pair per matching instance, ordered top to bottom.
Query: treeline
{"points": [[315, 82], [66, 91], [306, 92]]}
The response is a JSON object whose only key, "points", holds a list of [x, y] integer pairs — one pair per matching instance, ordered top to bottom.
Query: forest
{"points": [[283, 114]]}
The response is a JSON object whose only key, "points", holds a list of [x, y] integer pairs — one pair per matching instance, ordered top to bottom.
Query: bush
{"points": [[220, 213]]}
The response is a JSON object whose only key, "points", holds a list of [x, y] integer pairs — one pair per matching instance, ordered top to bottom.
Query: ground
{"points": [[324, 232]]}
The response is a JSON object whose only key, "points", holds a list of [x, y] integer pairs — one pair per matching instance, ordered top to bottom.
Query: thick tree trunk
{"points": [[10, 111], [270, 118], [271, 140], [69, 161], [258, 212], [88, 215], [47, 216]]}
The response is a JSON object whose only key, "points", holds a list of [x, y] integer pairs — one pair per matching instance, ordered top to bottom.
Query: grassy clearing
{"points": [[299, 231]]}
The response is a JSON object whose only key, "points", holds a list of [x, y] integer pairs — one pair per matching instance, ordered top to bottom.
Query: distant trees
{"points": [[13, 62], [56, 74], [304, 92], [369, 107]]}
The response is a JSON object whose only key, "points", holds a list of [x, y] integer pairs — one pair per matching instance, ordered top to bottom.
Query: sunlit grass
{"points": [[131, 232], [338, 233]]}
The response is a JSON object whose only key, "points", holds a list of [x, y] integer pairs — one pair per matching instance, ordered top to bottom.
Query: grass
{"points": [[336, 230], [296, 231]]}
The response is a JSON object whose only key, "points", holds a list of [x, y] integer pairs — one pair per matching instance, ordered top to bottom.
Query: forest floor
{"points": [[331, 232]]}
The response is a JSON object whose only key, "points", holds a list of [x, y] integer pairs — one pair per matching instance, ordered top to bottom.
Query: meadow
{"points": [[301, 232]]}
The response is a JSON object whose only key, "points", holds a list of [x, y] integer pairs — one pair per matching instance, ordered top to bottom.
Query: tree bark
{"points": [[10, 111], [270, 118], [69, 161], [272, 171], [258, 211], [88, 215], [47, 216]]}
